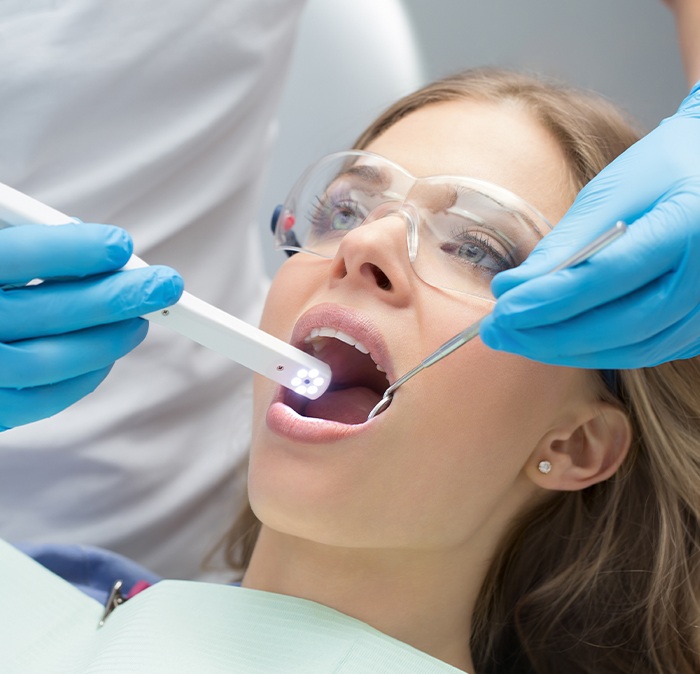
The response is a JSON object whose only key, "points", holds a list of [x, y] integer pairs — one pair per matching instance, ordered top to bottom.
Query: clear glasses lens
{"points": [[461, 232]]}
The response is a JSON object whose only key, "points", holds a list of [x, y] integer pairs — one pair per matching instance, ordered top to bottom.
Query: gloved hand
{"points": [[635, 303], [59, 339]]}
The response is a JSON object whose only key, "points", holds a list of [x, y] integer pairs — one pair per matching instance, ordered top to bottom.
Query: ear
{"points": [[584, 452]]}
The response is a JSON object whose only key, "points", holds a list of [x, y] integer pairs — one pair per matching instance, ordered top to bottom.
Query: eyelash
{"points": [[326, 206], [321, 207], [464, 235]]}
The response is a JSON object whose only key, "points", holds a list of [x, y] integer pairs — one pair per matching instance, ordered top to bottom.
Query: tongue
{"points": [[347, 406]]}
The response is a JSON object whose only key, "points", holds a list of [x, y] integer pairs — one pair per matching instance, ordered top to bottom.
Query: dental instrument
{"points": [[199, 321], [472, 331]]}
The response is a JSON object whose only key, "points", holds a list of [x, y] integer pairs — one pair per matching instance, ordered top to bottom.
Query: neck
{"points": [[424, 599]]}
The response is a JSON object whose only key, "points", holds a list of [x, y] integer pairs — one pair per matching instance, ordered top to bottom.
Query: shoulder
{"points": [[90, 569]]}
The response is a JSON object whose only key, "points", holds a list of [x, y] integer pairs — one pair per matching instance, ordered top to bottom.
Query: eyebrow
{"points": [[367, 174], [379, 179], [518, 214]]}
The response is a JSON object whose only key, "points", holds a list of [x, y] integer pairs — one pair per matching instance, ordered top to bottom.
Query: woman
{"points": [[501, 515]]}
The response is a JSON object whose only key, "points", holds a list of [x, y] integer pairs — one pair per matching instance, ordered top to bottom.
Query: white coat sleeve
{"points": [[158, 117]]}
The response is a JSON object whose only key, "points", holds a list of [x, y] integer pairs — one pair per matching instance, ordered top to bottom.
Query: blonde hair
{"points": [[605, 580]]}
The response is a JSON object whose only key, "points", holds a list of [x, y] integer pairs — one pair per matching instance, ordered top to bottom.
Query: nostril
{"points": [[380, 277]]}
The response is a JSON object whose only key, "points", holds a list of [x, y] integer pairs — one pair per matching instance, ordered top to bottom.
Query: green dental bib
{"points": [[49, 627]]}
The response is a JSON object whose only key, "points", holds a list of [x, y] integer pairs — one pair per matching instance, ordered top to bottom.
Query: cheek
{"points": [[294, 284], [283, 305], [279, 311], [476, 408], [484, 409], [472, 429]]}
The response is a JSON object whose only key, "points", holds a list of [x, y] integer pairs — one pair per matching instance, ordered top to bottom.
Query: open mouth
{"points": [[358, 381]]}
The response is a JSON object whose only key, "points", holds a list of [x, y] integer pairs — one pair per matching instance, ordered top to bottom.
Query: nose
{"points": [[375, 258]]}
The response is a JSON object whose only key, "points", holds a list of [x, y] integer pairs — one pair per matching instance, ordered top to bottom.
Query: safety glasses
{"points": [[460, 232]]}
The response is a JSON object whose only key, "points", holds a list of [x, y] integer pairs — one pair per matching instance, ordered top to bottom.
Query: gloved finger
{"points": [[690, 107], [642, 177], [592, 213], [656, 244], [75, 250], [58, 307], [614, 336], [525, 344], [647, 353], [614, 359], [47, 360], [22, 407]]}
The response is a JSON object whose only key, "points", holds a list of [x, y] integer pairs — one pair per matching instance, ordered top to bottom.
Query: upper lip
{"points": [[349, 321]]}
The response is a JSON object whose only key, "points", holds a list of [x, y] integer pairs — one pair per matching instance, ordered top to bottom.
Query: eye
{"points": [[333, 213], [345, 216], [475, 248], [471, 252]]}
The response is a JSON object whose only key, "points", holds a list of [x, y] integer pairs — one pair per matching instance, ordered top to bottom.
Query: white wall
{"points": [[625, 49]]}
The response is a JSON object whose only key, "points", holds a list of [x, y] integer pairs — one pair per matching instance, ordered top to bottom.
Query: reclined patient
{"points": [[502, 515]]}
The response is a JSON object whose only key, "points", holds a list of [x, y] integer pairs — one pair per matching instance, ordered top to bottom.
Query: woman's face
{"points": [[448, 463]]}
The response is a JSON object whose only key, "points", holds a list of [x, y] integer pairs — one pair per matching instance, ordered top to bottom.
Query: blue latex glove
{"points": [[635, 303], [59, 339]]}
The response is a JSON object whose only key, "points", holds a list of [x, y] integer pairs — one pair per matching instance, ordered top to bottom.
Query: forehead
{"points": [[497, 142]]}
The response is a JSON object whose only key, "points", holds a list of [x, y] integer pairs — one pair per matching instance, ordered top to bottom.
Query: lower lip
{"points": [[285, 422]]}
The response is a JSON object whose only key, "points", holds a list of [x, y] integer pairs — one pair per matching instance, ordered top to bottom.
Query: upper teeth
{"points": [[317, 333]]}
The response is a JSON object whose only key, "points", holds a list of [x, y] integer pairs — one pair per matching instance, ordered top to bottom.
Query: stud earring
{"points": [[544, 467]]}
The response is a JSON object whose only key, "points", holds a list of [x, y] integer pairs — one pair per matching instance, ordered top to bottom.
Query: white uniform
{"points": [[155, 116]]}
